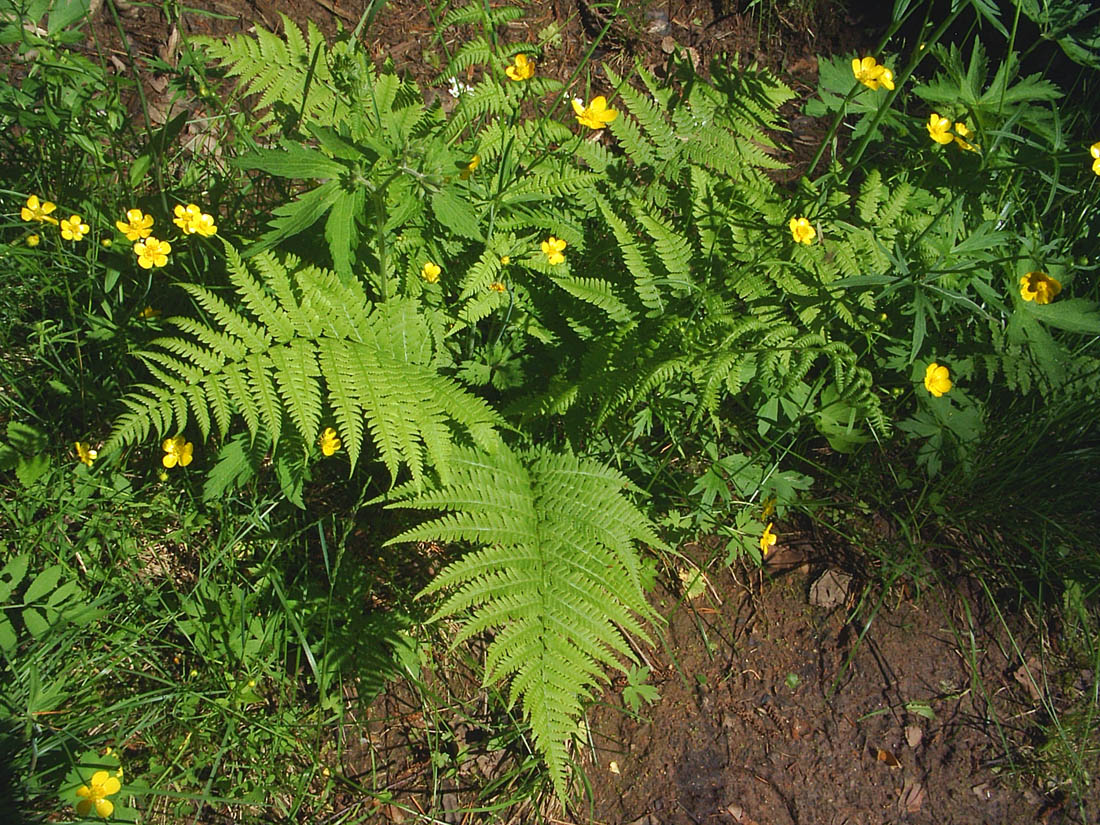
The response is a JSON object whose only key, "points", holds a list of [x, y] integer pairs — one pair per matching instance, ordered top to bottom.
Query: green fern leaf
{"points": [[558, 578]]}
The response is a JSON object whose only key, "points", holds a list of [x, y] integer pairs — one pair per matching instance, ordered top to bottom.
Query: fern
{"points": [[289, 71], [304, 339], [556, 579]]}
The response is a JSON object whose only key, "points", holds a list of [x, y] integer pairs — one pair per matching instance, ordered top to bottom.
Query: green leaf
{"points": [[66, 12], [293, 161], [455, 214], [298, 215], [341, 231], [1072, 315], [26, 439], [31, 468], [12, 575], [556, 580], [44, 583], [36, 624], [8, 639]]}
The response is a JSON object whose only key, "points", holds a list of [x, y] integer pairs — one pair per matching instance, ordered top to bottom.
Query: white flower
{"points": [[456, 88]]}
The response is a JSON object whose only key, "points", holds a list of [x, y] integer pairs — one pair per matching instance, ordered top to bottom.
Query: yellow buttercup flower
{"points": [[522, 69], [868, 72], [596, 114], [939, 129], [962, 138], [1094, 150], [470, 167], [37, 210], [193, 221], [137, 225], [73, 228], [802, 230], [33, 240], [553, 247], [152, 252], [505, 260], [430, 272], [497, 286], [1039, 287], [149, 312], [937, 379], [330, 442], [177, 450], [85, 453], [767, 541], [95, 795]]}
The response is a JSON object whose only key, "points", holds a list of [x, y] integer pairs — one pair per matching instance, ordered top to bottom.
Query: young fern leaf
{"points": [[289, 71], [307, 341], [556, 578]]}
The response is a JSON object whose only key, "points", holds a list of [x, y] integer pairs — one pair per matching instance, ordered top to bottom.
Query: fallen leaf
{"points": [[830, 589], [1025, 675], [913, 735], [887, 759], [613, 766], [912, 796], [738, 814]]}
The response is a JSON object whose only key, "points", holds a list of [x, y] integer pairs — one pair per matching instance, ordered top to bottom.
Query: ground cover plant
{"points": [[454, 368]]}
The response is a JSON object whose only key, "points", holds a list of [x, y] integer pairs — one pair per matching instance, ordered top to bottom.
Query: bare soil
{"points": [[780, 701]]}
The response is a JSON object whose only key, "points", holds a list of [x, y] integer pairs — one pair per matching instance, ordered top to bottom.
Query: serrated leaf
{"points": [[456, 214], [43, 583], [35, 623]]}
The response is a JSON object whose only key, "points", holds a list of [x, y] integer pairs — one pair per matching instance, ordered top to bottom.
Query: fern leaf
{"points": [[557, 579]]}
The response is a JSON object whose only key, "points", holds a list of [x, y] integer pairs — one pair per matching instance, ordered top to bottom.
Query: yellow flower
{"points": [[522, 69], [870, 74], [595, 115], [939, 129], [962, 138], [1094, 150], [470, 167], [36, 210], [193, 221], [137, 225], [73, 228], [802, 231], [33, 240], [552, 247], [152, 252], [505, 260], [430, 273], [497, 286], [1039, 287], [149, 312], [937, 379], [330, 442], [177, 450], [85, 453], [767, 541], [95, 795]]}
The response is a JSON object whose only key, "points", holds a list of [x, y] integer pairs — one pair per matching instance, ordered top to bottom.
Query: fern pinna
{"points": [[303, 338], [557, 577]]}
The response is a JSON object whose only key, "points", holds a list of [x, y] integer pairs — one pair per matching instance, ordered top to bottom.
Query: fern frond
{"points": [[289, 70], [373, 365], [557, 579]]}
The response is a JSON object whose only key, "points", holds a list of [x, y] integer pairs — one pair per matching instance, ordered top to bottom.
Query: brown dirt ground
{"points": [[771, 710]]}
